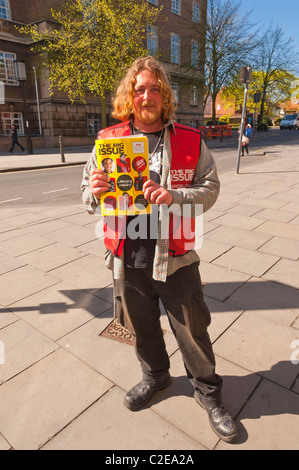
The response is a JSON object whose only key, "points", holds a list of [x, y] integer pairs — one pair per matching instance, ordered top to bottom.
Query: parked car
{"points": [[289, 121]]}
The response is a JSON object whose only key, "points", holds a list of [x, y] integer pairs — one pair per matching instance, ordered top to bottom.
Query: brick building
{"points": [[29, 105]]}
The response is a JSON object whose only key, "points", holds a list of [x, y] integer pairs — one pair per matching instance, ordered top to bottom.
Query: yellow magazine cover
{"points": [[125, 160]]}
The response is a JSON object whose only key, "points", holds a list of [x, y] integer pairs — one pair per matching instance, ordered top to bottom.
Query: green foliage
{"points": [[92, 44], [277, 89], [225, 118]]}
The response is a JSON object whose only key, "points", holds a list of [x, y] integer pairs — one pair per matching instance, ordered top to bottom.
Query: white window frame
{"points": [[176, 7], [4, 9], [196, 12], [152, 39], [175, 48], [195, 53], [8, 71], [175, 86], [193, 95], [7, 119], [94, 124]]}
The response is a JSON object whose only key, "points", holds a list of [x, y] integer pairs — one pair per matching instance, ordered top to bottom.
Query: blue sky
{"points": [[282, 12]]}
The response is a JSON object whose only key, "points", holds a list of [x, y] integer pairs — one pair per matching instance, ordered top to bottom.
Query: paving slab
{"points": [[264, 203], [244, 209], [279, 215], [24, 218], [239, 221], [43, 227], [279, 229], [11, 233], [73, 235], [235, 236], [24, 244], [282, 247], [212, 249], [51, 257], [247, 261], [9, 263], [88, 272], [286, 272], [25, 280], [220, 282], [257, 294], [59, 309], [222, 316], [6, 317], [261, 345], [23, 347], [113, 359], [38, 403], [177, 405], [269, 420], [108, 425], [4, 445]]}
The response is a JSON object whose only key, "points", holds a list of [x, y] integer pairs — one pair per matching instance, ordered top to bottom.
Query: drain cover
{"points": [[119, 333]]}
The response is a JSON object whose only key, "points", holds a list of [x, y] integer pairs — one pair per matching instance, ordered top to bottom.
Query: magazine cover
{"points": [[125, 160]]}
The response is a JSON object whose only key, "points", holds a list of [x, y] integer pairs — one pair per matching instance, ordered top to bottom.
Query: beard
{"points": [[148, 113]]}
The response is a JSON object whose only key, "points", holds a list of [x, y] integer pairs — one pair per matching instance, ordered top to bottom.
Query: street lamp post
{"points": [[22, 77], [245, 77], [37, 102]]}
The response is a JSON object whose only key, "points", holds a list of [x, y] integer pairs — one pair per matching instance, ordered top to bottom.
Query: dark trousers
{"points": [[15, 142], [245, 146], [137, 306]]}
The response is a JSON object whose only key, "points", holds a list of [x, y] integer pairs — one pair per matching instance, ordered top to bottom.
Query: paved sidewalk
{"points": [[62, 383]]}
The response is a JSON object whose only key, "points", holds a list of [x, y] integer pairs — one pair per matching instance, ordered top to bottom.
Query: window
{"points": [[154, 2], [176, 6], [4, 9], [195, 12], [152, 40], [175, 48], [194, 53], [8, 70], [175, 86], [193, 95], [7, 119], [94, 124], [193, 124]]}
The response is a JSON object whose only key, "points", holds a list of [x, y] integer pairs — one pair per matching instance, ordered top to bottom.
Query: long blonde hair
{"points": [[122, 103]]}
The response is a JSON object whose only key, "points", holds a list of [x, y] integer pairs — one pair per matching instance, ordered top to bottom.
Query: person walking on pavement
{"points": [[14, 136], [246, 139], [159, 267]]}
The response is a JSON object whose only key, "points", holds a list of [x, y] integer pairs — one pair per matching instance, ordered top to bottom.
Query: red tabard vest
{"points": [[185, 149]]}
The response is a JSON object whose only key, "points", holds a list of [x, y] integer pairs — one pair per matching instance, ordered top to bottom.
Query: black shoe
{"points": [[142, 393], [220, 420]]}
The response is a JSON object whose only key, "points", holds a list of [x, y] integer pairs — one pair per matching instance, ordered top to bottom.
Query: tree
{"points": [[229, 39], [91, 45], [276, 59], [279, 91]]}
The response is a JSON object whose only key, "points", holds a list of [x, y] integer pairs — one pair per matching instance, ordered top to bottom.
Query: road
{"points": [[274, 142], [56, 186], [61, 186]]}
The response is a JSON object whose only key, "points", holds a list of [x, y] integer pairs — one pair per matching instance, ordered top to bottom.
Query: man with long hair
{"points": [[156, 267]]}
